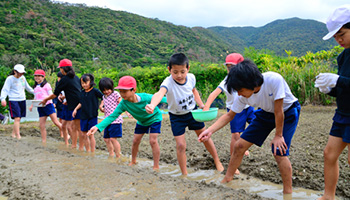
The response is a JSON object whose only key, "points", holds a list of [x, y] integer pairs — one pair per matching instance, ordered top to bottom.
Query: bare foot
{"points": [[13, 135], [19, 137], [73, 147], [246, 153], [132, 163], [219, 167], [156, 168], [237, 172], [226, 180]]}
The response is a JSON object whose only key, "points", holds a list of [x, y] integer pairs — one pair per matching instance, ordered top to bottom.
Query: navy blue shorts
{"points": [[17, 108], [47, 110], [68, 115], [180, 122], [238, 123], [264, 123], [86, 124], [153, 128], [341, 130], [113, 131]]}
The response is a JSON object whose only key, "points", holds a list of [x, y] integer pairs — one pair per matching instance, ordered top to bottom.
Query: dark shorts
{"points": [[17, 108], [47, 110], [60, 112], [68, 115], [180, 122], [238, 123], [264, 123], [86, 124], [153, 128], [341, 130], [113, 131]]}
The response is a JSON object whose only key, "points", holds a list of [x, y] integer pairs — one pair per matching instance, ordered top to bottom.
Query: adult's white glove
{"points": [[326, 80], [325, 90]]}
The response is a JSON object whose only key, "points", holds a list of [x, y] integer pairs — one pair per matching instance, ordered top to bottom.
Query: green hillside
{"points": [[38, 33], [296, 35]]}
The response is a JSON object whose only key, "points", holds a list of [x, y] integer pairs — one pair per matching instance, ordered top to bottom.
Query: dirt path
{"points": [[33, 171]]}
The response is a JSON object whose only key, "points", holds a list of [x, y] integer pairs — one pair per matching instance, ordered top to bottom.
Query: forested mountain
{"points": [[38, 33], [296, 35]]}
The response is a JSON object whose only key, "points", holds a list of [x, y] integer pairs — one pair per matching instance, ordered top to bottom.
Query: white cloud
{"points": [[228, 13]]}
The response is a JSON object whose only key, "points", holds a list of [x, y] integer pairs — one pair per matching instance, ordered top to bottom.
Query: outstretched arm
{"points": [[157, 97], [197, 98], [211, 98], [43, 102], [221, 122]]}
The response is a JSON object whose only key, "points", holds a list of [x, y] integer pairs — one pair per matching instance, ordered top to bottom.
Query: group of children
{"points": [[245, 88]]}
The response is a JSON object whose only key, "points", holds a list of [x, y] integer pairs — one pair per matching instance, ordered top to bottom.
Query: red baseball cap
{"points": [[234, 59], [65, 63], [39, 72], [126, 83]]}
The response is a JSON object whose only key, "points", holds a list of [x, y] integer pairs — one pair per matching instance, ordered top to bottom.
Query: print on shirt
{"points": [[185, 103]]}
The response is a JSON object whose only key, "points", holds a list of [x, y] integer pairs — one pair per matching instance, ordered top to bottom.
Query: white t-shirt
{"points": [[14, 88], [273, 88], [180, 97], [229, 97]]}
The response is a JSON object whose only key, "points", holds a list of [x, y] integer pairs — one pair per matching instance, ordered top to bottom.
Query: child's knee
{"points": [[181, 147]]}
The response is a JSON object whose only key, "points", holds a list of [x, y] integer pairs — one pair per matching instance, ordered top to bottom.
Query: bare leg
{"points": [[54, 119], [42, 122], [61, 130], [15, 131], [65, 131], [73, 133], [79, 134], [235, 136], [153, 140], [92, 142], [209, 145], [109, 146], [115, 146], [334, 147], [135, 148], [181, 153], [236, 158], [286, 173]]}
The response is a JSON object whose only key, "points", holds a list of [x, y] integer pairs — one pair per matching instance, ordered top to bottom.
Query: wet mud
{"points": [[30, 170]]}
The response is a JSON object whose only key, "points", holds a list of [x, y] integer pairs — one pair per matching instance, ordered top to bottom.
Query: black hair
{"points": [[347, 25], [178, 59], [69, 71], [12, 72], [59, 74], [244, 75], [88, 77], [42, 84], [106, 84]]}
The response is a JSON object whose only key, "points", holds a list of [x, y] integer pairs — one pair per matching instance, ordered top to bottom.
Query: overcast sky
{"points": [[227, 13]]}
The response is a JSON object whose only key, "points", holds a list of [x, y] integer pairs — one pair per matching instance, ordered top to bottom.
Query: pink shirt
{"points": [[40, 93], [110, 104]]}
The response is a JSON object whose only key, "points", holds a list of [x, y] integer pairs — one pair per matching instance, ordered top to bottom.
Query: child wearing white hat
{"points": [[337, 85], [14, 87]]}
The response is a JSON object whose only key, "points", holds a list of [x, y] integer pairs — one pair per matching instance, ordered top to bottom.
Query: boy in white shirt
{"points": [[182, 97], [278, 108]]}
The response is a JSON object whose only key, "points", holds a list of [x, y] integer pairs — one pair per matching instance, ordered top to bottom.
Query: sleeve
{"points": [[343, 82], [60, 86], [279, 87], [28, 88], [48, 88], [5, 89], [99, 94], [238, 104], [108, 120]]}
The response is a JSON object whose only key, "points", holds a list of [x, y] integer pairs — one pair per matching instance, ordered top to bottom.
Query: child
{"points": [[70, 84], [337, 85], [14, 87], [43, 89], [182, 96], [110, 101], [135, 103], [58, 104], [88, 105], [278, 109], [247, 115]]}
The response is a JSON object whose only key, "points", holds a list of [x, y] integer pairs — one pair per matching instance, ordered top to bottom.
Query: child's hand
{"points": [[43, 102], [3, 103], [31, 108], [149, 108], [206, 108], [102, 109], [74, 113], [129, 115], [92, 131], [205, 135], [279, 145]]}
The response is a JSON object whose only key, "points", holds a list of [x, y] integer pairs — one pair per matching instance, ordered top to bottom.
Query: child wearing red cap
{"points": [[70, 84], [337, 85], [14, 87], [42, 89], [134, 103], [247, 115]]}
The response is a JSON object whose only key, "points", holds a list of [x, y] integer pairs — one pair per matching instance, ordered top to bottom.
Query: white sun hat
{"points": [[337, 19], [19, 68]]}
